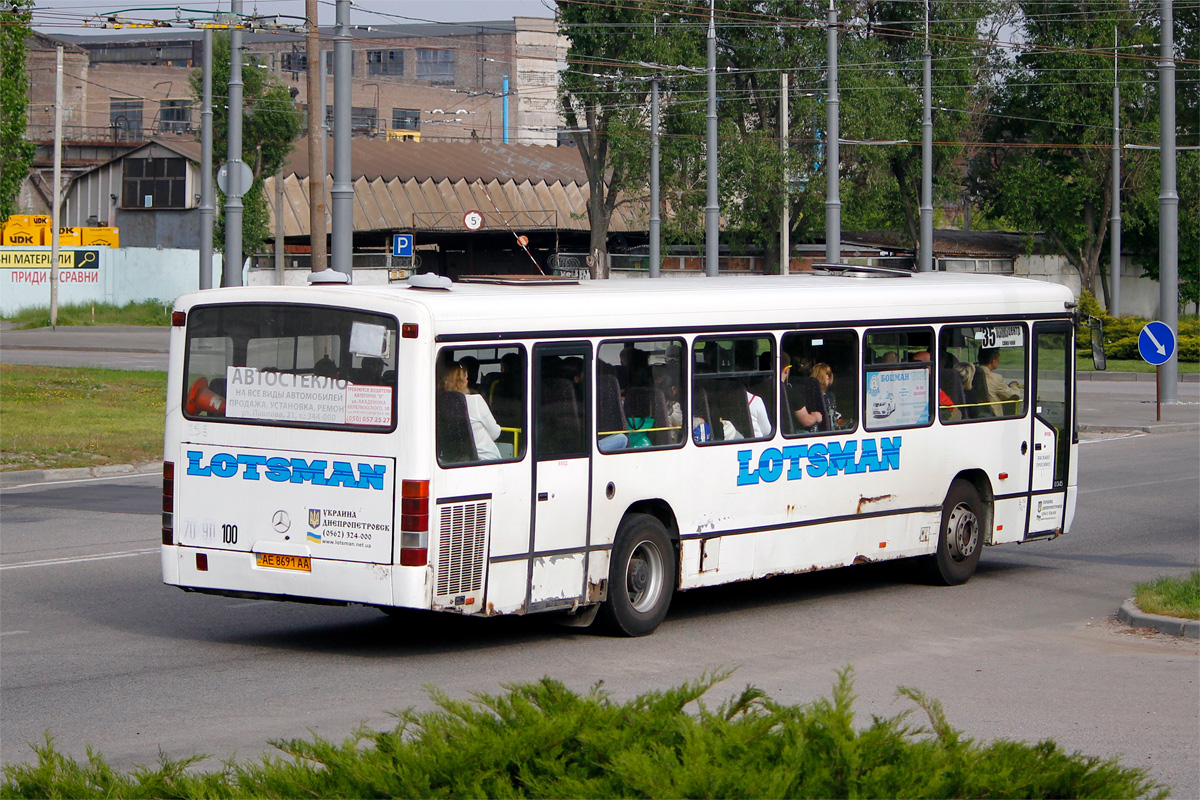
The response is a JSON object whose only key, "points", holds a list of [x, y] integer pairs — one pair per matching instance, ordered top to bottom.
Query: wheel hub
{"points": [[962, 529]]}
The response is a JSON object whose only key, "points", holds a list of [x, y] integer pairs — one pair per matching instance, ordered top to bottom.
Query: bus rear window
{"points": [[293, 365]]}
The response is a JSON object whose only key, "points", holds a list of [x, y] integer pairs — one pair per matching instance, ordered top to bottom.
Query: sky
{"points": [[60, 17]]}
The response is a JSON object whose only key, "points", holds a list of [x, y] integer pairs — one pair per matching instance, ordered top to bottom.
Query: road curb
{"points": [[1149, 377], [1151, 427], [30, 477], [1131, 615]]}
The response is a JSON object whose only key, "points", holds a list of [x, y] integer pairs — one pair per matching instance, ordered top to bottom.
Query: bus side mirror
{"points": [[1098, 357]]}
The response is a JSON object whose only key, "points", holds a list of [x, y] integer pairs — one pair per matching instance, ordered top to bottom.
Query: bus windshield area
{"points": [[294, 365]]}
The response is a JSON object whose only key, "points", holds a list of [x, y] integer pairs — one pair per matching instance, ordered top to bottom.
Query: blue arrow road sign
{"points": [[402, 244], [1156, 343]]}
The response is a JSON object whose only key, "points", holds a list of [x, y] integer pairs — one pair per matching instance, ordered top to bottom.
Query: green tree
{"points": [[881, 75], [603, 95], [1055, 115], [270, 125], [16, 154]]}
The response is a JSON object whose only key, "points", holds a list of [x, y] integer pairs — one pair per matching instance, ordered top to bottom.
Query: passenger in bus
{"points": [[471, 365], [371, 371], [824, 375], [999, 392], [804, 410], [760, 420], [484, 429]]}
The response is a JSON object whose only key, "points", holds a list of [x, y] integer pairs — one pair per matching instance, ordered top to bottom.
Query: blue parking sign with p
{"points": [[402, 244]]}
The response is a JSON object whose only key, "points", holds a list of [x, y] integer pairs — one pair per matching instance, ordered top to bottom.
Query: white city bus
{"points": [[509, 446]]}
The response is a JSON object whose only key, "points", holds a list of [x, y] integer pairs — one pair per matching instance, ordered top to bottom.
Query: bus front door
{"points": [[1053, 428], [559, 528]]}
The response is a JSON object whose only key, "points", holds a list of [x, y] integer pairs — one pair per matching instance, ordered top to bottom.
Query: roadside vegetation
{"points": [[145, 312], [53, 417], [1170, 596], [542, 740]]}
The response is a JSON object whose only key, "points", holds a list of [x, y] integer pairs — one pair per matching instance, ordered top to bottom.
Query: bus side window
{"points": [[982, 372], [899, 386], [734, 389], [819, 392], [639, 395], [478, 422]]}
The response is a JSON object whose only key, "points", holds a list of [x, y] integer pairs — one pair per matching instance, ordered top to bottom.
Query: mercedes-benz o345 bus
{"points": [[508, 446]]}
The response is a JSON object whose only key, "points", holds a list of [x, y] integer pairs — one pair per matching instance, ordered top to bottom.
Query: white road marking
{"points": [[123, 476], [1192, 478], [50, 562], [11, 633]]}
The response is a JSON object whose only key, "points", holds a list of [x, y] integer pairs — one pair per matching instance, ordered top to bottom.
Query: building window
{"points": [[293, 62], [385, 62], [435, 65], [175, 115], [125, 117], [362, 119], [406, 119], [154, 183]]}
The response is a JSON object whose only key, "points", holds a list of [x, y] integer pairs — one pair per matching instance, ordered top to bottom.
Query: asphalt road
{"points": [[95, 650]]}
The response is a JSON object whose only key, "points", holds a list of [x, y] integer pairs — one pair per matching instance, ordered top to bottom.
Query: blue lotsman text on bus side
{"points": [[823, 459], [288, 470]]}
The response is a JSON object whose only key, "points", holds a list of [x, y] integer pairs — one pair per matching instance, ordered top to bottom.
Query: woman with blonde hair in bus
{"points": [[824, 375], [484, 428]]}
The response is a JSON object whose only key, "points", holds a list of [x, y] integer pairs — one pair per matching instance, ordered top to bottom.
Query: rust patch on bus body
{"points": [[863, 501]]}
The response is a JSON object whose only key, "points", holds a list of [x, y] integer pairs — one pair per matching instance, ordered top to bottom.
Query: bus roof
{"points": [[674, 303]]}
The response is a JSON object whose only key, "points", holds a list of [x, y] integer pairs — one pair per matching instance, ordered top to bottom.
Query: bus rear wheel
{"points": [[960, 542], [641, 577]]}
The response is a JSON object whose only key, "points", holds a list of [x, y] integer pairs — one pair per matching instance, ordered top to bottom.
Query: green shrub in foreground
{"points": [[541, 740]]}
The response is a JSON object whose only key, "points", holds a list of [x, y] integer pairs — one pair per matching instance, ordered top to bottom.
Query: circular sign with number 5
{"points": [[473, 220]]}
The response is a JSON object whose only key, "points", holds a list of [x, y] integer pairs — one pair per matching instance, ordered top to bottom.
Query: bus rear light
{"points": [[178, 318], [408, 330], [168, 503], [414, 523], [414, 556], [202, 562]]}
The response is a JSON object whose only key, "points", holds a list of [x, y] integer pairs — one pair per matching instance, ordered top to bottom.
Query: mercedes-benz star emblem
{"points": [[281, 522]]}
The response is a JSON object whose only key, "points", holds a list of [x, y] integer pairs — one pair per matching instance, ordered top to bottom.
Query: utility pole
{"points": [[316, 142], [343, 189], [233, 198], [833, 198], [1168, 206], [208, 208], [712, 210], [655, 211], [56, 222], [785, 239], [926, 262], [1114, 268]]}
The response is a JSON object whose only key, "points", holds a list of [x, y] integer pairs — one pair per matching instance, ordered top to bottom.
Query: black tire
{"points": [[963, 532], [641, 577]]}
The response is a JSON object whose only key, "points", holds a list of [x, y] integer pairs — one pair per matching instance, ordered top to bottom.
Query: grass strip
{"points": [[144, 312], [55, 417], [1170, 596], [542, 740]]}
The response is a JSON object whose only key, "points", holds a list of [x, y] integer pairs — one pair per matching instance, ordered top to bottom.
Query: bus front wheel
{"points": [[960, 541], [641, 577]]}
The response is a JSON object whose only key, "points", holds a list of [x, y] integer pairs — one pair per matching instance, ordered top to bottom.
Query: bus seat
{"points": [[952, 385], [730, 403], [646, 404], [700, 409], [610, 415], [787, 418], [455, 442]]}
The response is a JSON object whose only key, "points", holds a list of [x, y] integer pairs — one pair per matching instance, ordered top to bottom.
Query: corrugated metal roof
{"points": [[379, 158], [431, 185], [948, 242]]}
